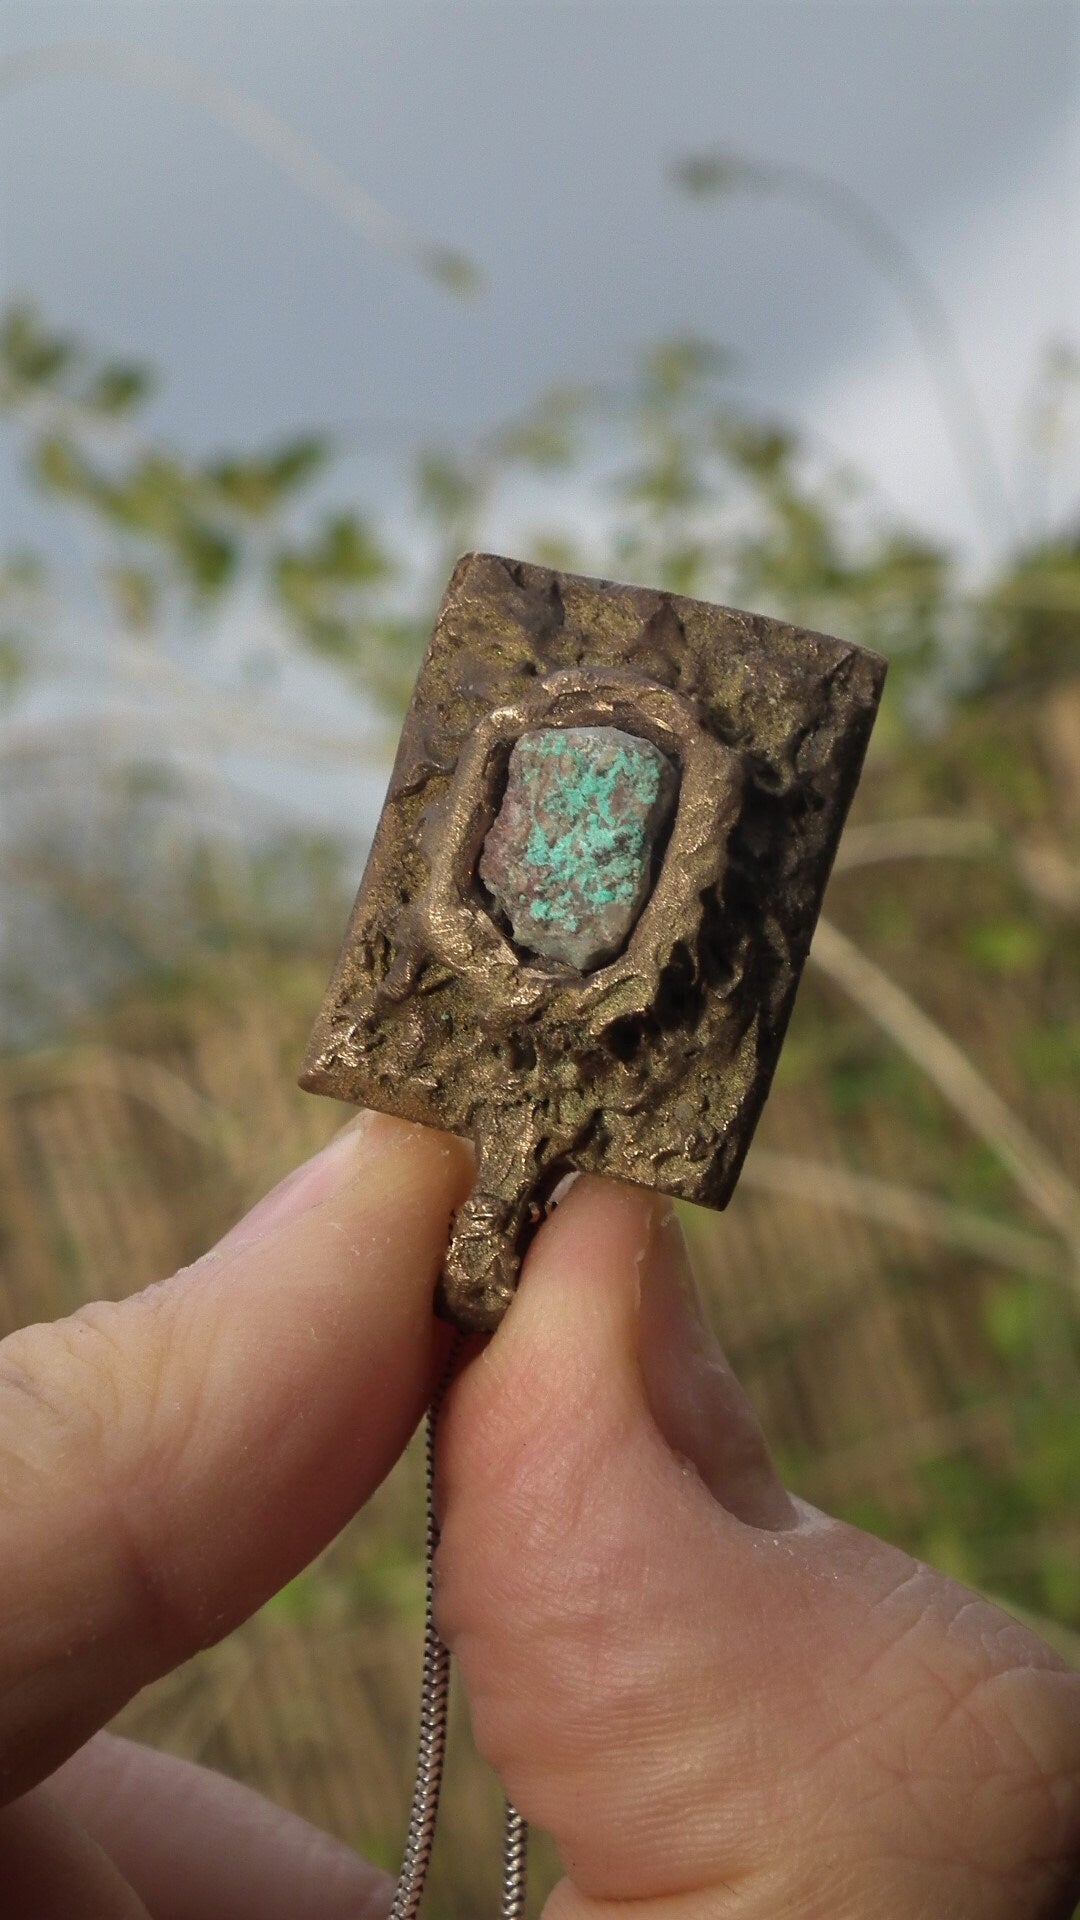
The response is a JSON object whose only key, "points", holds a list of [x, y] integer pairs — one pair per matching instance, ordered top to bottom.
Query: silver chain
{"points": [[431, 1745], [515, 1865]]}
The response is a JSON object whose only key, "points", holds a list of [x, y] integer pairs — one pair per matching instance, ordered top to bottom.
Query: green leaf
{"points": [[710, 175], [454, 271], [31, 356], [674, 366], [119, 388], [545, 444], [761, 449], [298, 460], [61, 467], [255, 487], [445, 489], [155, 498], [349, 553], [207, 557], [22, 573], [134, 593], [1033, 616], [333, 639], [14, 664], [148, 780], [1007, 946], [1050, 1054], [1011, 1319], [1048, 1453], [946, 1547], [1060, 1573], [296, 1603], [382, 1849]]}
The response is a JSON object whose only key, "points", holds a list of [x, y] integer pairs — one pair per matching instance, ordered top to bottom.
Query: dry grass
{"points": [[857, 1280], [860, 1336]]}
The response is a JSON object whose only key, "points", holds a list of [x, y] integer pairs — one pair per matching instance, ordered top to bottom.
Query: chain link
{"points": [[434, 1711], [515, 1884]]}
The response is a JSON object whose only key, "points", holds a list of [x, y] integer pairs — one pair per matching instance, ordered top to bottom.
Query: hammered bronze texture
{"points": [[653, 1067]]}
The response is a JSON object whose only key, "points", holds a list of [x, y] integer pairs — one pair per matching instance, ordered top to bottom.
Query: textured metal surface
{"points": [[654, 1066]]}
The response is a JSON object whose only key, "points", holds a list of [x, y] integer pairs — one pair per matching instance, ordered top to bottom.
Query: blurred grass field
{"points": [[897, 1280]]}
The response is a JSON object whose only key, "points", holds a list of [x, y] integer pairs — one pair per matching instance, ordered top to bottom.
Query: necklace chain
{"points": [[434, 1709]]}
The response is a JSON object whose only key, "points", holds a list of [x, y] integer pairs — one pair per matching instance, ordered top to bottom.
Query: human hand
{"points": [[166, 1464], [719, 1702]]}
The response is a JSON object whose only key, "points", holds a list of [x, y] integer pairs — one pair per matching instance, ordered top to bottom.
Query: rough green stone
{"points": [[569, 859]]}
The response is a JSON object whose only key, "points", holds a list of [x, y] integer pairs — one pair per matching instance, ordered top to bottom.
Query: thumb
{"points": [[604, 1487], [713, 1696]]}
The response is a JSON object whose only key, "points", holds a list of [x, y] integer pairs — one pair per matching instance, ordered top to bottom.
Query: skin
{"points": [[720, 1702]]}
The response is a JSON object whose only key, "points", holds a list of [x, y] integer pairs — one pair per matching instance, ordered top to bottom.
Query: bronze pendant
{"points": [[591, 892]]}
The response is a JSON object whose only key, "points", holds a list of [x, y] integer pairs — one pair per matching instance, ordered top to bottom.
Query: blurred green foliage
{"points": [[700, 498], [146, 895]]}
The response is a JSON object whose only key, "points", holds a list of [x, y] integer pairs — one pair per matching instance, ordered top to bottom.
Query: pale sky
{"points": [[538, 137]]}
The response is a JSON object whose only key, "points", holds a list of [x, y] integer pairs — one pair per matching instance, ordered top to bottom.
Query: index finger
{"points": [[168, 1461]]}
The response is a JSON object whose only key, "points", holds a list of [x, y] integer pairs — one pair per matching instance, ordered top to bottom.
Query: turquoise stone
{"points": [[569, 859]]}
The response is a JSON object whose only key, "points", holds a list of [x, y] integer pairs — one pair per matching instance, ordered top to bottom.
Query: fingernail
{"points": [[313, 1182], [673, 1335], [693, 1395]]}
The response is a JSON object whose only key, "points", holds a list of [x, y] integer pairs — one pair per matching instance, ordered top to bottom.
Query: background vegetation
{"points": [[897, 1279]]}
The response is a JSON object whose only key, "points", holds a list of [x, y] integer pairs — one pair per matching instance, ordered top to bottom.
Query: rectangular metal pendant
{"points": [[591, 891]]}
